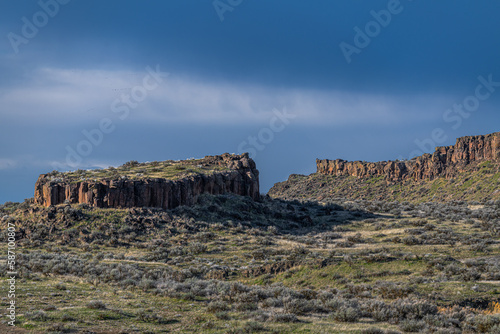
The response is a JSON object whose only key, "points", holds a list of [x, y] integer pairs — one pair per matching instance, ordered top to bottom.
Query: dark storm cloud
{"points": [[227, 77]]}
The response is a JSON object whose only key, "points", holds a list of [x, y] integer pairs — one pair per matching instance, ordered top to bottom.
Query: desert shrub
{"points": [[131, 163], [272, 230], [205, 236], [331, 236], [355, 238], [411, 240], [344, 244], [479, 247], [197, 248], [177, 251], [378, 257], [470, 275], [128, 282], [147, 284], [60, 286], [359, 290], [392, 290], [271, 302], [335, 304], [96, 305], [217, 306], [297, 306], [245, 307], [50, 308], [413, 309], [380, 311], [347, 314], [36, 315], [222, 315], [149, 316], [67, 317], [283, 317], [484, 323], [412, 326], [58, 328], [248, 328], [495, 329], [372, 330]]}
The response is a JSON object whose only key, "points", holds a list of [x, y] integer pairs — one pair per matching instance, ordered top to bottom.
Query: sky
{"points": [[90, 84]]}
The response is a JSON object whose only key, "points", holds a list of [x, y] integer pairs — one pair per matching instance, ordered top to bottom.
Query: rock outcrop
{"points": [[446, 161], [240, 177]]}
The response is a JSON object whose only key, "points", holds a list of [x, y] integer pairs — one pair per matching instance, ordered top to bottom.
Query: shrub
{"points": [[130, 163], [272, 230], [355, 238], [411, 240], [344, 244], [197, 248], [147, 284], [60, 286], [392, 290], [96, 305], [217, 306], [297, 306], [243, 307], [50, 308], [349, 314], [222, 315], [36, 316], [149, 316], [67, 317], [283, 317], [484, 323], [412, 326], [253, 327], [58, 328], [372, 330]]}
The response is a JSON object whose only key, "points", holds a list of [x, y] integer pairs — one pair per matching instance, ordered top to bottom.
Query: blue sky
{"points": [[271, 78]]}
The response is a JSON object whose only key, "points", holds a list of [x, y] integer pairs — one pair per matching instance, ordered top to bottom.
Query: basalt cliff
{"points": [[445, 162], [468, 170], [160, 184]]}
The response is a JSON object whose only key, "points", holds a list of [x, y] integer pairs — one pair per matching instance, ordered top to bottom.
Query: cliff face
{"points": [[446, 161], [242, 178]]}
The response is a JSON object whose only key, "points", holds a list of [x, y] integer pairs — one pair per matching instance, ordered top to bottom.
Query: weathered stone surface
{"points": [[446, 161], [241, 179]]}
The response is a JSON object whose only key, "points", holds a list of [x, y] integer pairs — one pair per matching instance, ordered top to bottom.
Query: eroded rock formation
{"points": [[446, 161], [242, 178]]}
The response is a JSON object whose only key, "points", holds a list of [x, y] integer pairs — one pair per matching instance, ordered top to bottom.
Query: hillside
{"points": [[468, 170], [228, 264]]}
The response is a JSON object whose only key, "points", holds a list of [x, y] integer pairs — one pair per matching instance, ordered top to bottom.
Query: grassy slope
{"points": [[133, 170], [476, 184], [359, 252]]}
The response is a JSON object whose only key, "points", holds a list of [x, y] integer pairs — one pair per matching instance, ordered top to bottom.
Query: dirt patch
{"points": [[11, 329]]}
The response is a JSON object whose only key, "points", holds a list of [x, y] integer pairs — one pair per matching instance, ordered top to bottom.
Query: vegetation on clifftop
{"points": [[134, 170]]}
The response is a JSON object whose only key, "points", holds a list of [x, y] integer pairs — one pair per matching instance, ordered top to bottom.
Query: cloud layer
{"points": [[72, 96]]}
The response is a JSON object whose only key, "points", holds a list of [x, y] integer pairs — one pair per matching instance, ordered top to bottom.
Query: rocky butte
{"points": [[446, 161], [466, 171], [166, 184]]}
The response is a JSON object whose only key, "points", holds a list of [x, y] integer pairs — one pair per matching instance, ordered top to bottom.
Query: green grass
{"points": [[133, 170], [478, 183], [239, 243]]}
